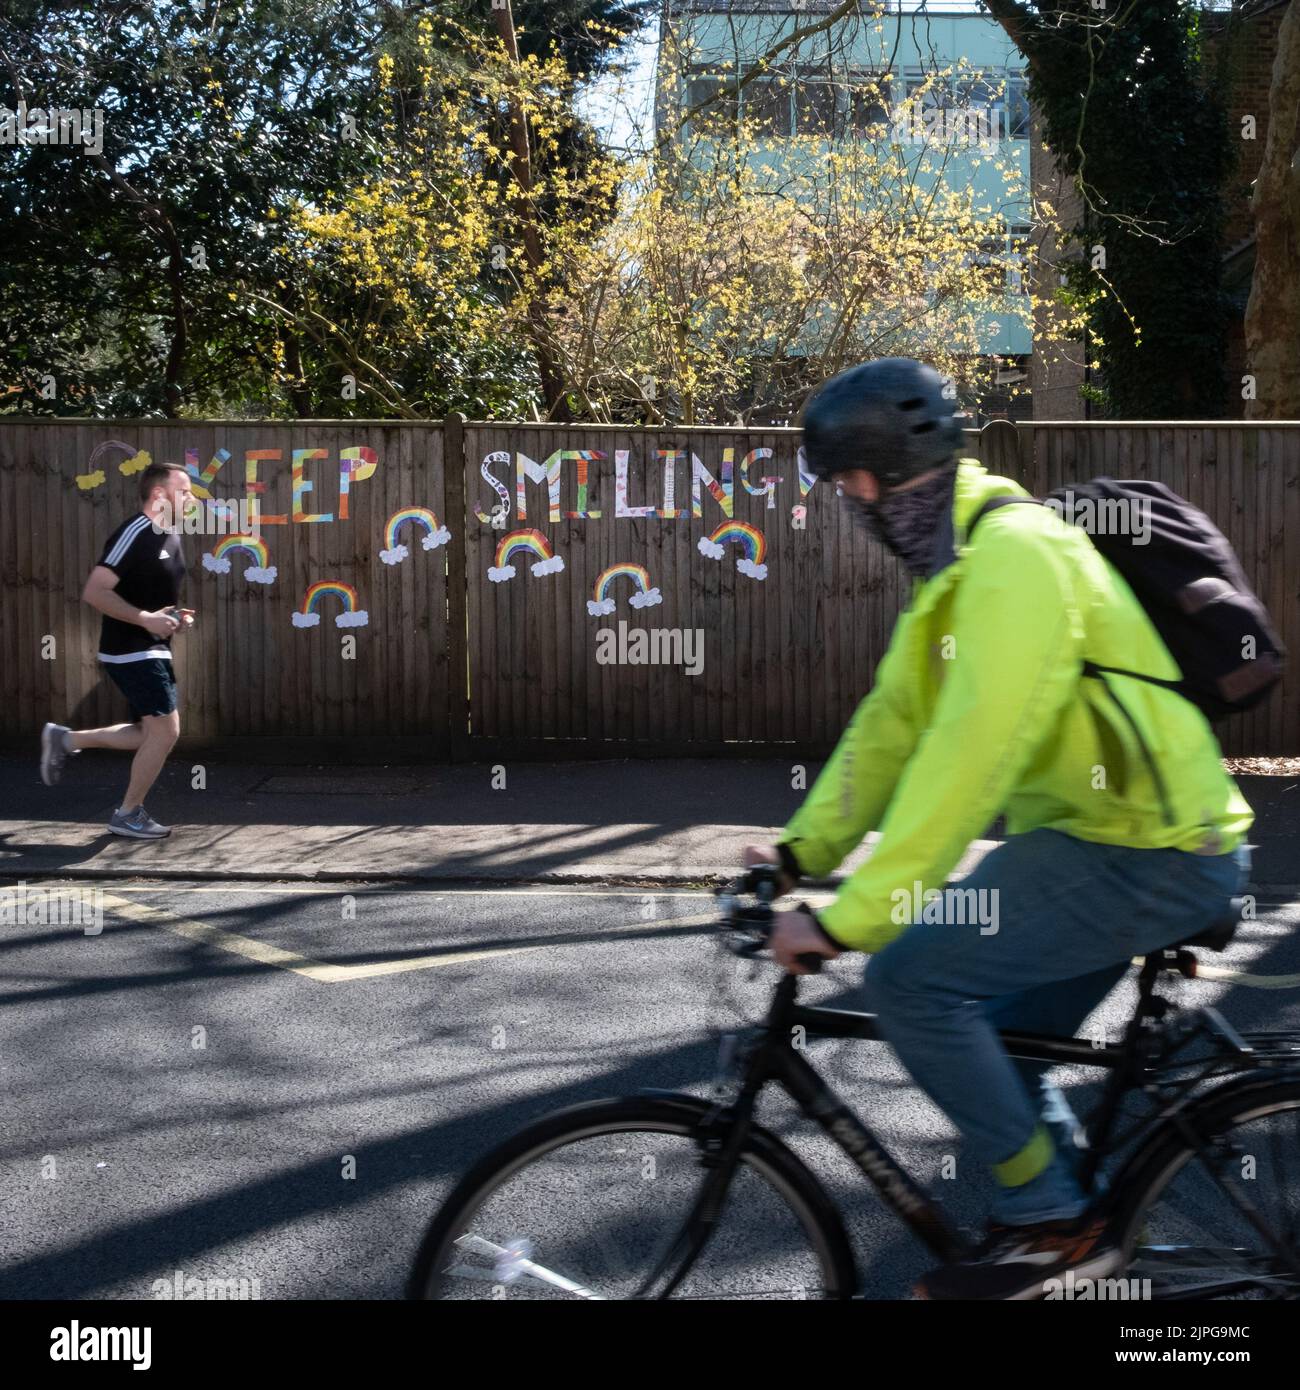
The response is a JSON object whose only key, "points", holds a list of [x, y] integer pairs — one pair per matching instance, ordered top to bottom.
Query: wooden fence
{"points": [[471, 590]]}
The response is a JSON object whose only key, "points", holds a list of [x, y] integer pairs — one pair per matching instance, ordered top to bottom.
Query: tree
{"points": [[1127, 115], [787, 221], [120, 260], [454, 263], [162, 274], [1273, 310]]}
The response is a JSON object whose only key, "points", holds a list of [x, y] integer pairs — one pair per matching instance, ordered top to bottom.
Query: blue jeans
{"points": [[1070, 915]]}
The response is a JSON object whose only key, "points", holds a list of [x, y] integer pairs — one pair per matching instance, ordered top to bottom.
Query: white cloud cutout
{"points": [[436, 538], [710, 548], [395, 556], [216, 564], [552, 566], [751, 569], [255, 574], [499, 576], [647, 599], [600, 607], [358, 619], [306, 620]]}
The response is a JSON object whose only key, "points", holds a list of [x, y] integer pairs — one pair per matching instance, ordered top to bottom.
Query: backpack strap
{"points": [[993, 503]]}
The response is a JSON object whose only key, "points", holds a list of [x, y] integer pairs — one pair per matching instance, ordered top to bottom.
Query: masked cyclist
{"points": [[1124, 832]]}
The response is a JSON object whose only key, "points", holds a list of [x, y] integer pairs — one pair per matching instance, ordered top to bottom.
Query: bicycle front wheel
{"points": [[585, 1204], [1220, 1217]]}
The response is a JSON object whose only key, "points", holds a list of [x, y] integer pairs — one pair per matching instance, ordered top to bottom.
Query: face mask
{"points": [[907, 522]]}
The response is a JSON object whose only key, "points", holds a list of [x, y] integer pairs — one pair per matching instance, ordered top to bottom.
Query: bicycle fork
{"points": [[722, 1138]]}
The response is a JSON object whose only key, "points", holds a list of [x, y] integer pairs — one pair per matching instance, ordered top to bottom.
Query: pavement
{"points": [[675, 822]]}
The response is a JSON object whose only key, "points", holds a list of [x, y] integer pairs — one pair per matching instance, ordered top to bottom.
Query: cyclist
{"points": [[1124, 832]]}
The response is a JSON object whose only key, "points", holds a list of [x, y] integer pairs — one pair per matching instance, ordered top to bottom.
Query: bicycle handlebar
{"points": [[749, 926]]}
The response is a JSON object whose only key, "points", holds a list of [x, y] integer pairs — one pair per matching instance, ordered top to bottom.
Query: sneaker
{"points": [[53, 753], [136, 825], [1015, 1262]]}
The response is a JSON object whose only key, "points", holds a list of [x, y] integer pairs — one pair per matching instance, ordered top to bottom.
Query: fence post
{"points": [[1000, 449], [453, 485]]}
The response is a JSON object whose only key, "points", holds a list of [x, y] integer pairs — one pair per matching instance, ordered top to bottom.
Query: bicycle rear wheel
{"points": [[583, 1205], [1229, 1227]]}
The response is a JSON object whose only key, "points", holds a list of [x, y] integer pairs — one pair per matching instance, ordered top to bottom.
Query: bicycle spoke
{"points": [[615, 1216], [1220, 1225], [511, 1265]]}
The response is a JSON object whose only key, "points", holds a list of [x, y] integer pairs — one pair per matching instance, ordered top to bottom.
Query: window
{"points": [[929, 89], [719, 91], [1006, 96], [767, 103], [870, 103], [998, 103], [814, 104], [1017, 104], [988, 261], [1001, 261]]}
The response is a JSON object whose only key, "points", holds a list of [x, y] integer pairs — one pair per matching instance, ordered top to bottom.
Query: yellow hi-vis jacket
{"points": [[979, 708]]}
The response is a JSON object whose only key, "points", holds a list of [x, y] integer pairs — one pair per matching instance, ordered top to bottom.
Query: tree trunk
{"points": [[1273, 310], [554, 392]]}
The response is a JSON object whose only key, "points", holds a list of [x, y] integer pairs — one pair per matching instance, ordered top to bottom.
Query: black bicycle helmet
{"points": [[889, 417]]}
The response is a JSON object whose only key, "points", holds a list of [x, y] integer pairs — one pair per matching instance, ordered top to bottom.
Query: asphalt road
{"points": [[280, 1082]]}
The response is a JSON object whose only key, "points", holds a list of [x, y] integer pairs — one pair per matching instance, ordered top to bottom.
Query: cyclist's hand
{"points": [[160, 624], [766, 854], [795, 934]]}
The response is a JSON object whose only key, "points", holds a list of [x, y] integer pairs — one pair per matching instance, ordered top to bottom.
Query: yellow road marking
{"points": [[235, 886], [238, 945], [323, 973]]}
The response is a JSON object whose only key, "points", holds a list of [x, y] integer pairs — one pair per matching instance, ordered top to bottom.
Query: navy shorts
{"points": [[149, 685]]}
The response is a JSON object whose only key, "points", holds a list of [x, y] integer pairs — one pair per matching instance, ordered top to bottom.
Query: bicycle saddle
{"points": [[1217, 936]]}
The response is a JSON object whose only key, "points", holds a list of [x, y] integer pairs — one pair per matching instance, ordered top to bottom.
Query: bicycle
{"points": [[662, 1194]]}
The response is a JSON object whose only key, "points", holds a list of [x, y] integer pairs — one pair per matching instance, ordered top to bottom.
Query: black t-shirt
{"points": [[149, 569]]}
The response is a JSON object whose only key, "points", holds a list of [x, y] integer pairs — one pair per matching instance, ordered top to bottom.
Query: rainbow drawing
{"points": [[96, 477], [807, 478], [435, 533], [530, 542], [752, 562], [261, 571], [643, 595], [309, 614]]}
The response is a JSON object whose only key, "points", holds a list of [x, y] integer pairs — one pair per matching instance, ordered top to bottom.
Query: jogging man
{"points": [[136, 586], [1124, 832]]}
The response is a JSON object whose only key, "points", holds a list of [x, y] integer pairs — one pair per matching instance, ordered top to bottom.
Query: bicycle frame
{"points": [[1146, 1057], [776, 1058], [782, 1062]]}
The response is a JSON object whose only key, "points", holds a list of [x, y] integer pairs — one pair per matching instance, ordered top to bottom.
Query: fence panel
{"points": [[702, 544], [562, 612], [331, 621]]}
